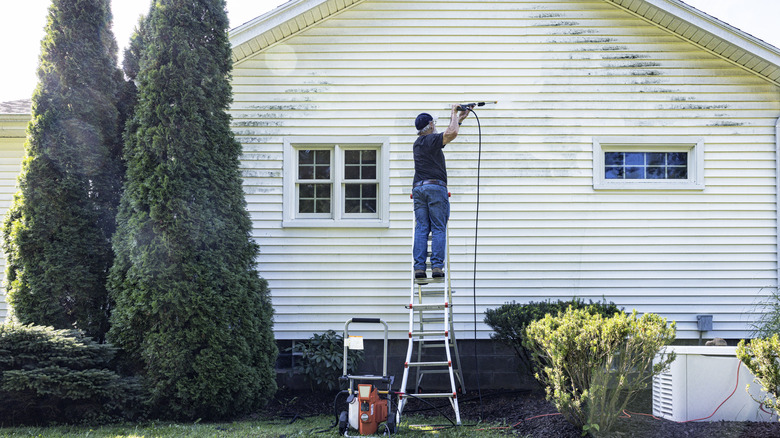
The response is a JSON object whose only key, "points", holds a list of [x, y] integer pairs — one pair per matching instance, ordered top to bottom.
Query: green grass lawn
{"points": [[308, 427]]}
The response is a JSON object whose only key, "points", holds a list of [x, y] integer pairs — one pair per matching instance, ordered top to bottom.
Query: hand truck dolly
{"points": [[367, 407]]}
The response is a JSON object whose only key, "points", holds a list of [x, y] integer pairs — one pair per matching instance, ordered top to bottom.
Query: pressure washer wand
{"points": [[469, 106]]}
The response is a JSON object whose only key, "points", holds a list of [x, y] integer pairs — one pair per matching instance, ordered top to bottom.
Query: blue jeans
{"points": [[431, 212]]}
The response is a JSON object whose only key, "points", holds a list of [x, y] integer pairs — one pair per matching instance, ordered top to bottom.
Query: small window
{"points": [[648, 165], [339, 183]]}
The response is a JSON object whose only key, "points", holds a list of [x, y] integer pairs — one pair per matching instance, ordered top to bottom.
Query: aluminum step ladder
{"points": [[432, 336]]}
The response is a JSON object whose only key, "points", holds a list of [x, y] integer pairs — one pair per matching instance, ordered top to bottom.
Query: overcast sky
{"points": [[21, 30]]}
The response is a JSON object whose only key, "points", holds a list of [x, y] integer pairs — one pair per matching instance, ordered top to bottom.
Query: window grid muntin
{"points": [[641, 165], [314, 185], [361, 185], [360, 198], [318, 202]]}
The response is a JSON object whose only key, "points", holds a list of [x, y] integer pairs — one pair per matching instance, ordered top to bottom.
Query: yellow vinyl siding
{"points": [[563, 72], [11, 154]]}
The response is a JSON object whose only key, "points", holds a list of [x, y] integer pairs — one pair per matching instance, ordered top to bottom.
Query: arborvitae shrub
{"points": [[57, 234], [192, 314], [510, 321], [61, 376]]}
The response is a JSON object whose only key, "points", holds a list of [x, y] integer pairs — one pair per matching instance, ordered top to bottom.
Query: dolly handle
{"points": [[368, 320], [346, 336]]}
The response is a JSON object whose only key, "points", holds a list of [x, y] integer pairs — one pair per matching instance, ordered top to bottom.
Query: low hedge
{"points": [[510, 321], [50, 376]]}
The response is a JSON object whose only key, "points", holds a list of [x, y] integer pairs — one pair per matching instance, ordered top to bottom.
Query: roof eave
{"points": [[269, 20], [281, 23], [708, 32], [717, 36]]}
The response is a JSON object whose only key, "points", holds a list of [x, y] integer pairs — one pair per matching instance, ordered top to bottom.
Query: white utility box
{"points": [[699, 380]]}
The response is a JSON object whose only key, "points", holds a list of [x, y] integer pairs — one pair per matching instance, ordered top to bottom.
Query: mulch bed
{"points": [[524, 413]]}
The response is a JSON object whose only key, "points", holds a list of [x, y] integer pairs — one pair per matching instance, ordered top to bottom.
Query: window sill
{"points": [[646, 185], [331, 223]]}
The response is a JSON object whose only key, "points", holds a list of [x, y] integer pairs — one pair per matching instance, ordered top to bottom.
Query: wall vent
{"points": [[663, 395]]}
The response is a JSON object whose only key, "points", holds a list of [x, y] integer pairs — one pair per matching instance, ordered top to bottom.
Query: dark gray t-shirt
{"points": [[429, 158]]}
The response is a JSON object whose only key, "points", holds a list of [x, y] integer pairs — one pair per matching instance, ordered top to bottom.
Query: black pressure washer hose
{"points": [[476, 234]]}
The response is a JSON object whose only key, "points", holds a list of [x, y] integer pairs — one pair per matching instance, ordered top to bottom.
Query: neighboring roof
{"points": [[684, 20], [23, 106], [14, 117]]}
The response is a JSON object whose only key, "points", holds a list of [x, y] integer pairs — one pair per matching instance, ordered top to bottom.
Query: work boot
{"points": [[419, 273], [437, 273]]}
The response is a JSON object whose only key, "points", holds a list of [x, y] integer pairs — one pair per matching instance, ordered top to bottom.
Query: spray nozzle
{"points": [[469, 106]]}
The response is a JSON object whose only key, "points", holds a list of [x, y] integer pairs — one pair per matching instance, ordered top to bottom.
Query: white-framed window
{"points": [[634, 163], [336, 182]]}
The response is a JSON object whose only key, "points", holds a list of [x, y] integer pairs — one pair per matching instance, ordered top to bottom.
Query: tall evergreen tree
{"points": [[57, 234], [192, 313]]}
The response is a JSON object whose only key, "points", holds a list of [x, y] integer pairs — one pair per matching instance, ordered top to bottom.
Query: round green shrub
{"points": [[762, 357], [322, 359], [592, 366], [50, 376]]}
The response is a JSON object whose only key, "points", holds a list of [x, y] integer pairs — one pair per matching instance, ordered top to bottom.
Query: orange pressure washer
{"points": [[366, 407]]}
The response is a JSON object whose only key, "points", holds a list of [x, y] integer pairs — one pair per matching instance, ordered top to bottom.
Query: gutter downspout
{"points": [[777, 199]]}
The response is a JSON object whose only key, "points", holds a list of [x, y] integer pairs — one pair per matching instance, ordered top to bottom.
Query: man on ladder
{"points": [[431, 202]]}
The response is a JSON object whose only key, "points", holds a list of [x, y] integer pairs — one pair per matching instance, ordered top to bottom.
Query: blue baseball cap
{"points": [[422, 121]]}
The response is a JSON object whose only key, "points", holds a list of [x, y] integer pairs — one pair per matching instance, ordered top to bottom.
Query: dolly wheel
{"points": [[343, 422]]}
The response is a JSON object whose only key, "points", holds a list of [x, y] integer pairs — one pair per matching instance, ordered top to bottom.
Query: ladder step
{"points": [[429, 280], [431, 287], [429, 292], [422, 307], [427, 312], [433, 320], [422, 334], [438, 344], [429, 364], [437, 371], [432, 395]]}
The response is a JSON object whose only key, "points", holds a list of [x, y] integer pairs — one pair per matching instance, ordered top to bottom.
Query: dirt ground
{"points": [[527, 414]]}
